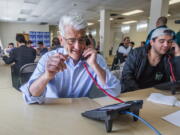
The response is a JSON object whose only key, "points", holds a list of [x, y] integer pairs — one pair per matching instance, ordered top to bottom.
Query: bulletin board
{"points": [[35, 37]]}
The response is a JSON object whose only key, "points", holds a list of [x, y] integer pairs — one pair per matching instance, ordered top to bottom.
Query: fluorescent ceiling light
{"points": [[35, 2], [173, 2], [132, 12], [35, 16], [6, 18], [21, 19], [111, 19], [128, 22], [89, 23], [140, 26]]}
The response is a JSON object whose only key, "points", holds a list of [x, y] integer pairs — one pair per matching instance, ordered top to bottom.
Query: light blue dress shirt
{"points": [[73, 82]]}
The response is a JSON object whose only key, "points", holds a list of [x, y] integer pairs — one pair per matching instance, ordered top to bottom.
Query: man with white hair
{"points": [[149, 65], [61, 72]]}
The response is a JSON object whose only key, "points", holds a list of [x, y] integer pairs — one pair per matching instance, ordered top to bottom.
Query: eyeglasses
{"points": [[72, 41]]}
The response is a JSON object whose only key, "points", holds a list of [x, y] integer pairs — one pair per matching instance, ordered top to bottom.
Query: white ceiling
{"points": [[50, 11]]}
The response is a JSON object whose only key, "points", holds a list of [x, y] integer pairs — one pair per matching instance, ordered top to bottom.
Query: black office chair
{"points": [[115, 64], [26, 72], [15, 77]]}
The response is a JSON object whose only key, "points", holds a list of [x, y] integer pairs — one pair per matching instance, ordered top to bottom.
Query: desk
{"points": [[5, 75], [151, 112], [63, 116]]}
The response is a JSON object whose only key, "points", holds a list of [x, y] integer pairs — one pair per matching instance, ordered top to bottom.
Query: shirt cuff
{"points": [[112, 85], [29, 99]]}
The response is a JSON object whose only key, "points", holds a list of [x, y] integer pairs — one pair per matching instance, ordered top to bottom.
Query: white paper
{"points": [[162, 99], [173, 118]]}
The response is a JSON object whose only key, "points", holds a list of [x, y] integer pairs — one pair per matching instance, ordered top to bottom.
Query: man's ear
{"points": [[60, 38]]}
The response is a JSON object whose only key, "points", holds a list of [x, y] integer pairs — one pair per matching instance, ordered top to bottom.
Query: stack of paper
{"points": [[173, 118]]}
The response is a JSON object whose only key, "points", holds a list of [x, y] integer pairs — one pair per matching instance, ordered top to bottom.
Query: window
{"points": [[141, 26], [125, 29]]}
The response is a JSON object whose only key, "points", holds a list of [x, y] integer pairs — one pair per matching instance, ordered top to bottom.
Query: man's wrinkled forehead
{"points": [[70, 30]]}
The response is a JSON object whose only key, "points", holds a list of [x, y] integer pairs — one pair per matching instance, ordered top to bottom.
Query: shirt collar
{"points": [[69, 61]]}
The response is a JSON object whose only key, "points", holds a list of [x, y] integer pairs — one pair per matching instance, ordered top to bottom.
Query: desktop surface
{"points": [[63, 116]]}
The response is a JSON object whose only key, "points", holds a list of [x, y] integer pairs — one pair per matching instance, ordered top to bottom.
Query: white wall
{"points": [[173, 26], [94, 28], [8, 30], [116, 35], [136, 36], [117, 38]]}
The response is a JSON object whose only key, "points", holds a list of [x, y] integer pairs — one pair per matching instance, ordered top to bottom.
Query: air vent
{"points": [[35, 2], [26, 11], [113, 14], [35, 16], [120, 18], [21, 19], [177, 21], [43, 23]]}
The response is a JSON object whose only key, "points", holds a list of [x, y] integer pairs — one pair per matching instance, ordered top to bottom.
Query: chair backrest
{"points": [[28, 68], [26, 72], [118, 73]]}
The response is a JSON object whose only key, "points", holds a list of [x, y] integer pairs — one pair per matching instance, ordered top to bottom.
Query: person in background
{"points": [[160, 23], [92, 41], [89, 42], [29, 43], [56, 43], [142, 43], [131, 44], [98, 46], [9, 49], [41, 50], [111, 50], [124, 50], [1, 52], [121, 54], [20, 56], [148, 66], [61, 72]]}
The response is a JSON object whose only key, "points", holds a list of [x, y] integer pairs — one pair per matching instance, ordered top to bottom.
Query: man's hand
{"points": [[177, 49], [90, 55], [55, 64]]}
